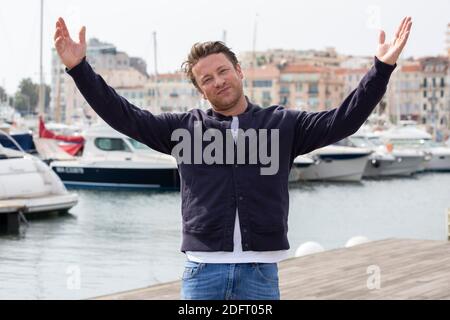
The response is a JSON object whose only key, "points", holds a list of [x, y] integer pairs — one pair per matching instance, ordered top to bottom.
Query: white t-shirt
{"points": [[238, 255]]}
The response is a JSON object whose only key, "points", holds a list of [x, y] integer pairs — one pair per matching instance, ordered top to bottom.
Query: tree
{"points": [[31, 90], [48, 90], [3, 95], [26, 99], [22, 103]]}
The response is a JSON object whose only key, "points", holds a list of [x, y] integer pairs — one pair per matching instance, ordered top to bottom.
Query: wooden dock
{"points": [[386, 269]]}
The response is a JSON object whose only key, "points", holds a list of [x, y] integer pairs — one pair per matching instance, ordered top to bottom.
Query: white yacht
{"points": [[409, 137], [440, 157], [112, 160], [384, 161], [336, 163], [298, 167], [27, 182]]}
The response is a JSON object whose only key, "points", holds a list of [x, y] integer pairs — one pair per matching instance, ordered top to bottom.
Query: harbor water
{"points": [[115, 241]]}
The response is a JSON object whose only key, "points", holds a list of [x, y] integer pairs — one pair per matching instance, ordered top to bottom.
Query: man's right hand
{"points": [[70, 52]]}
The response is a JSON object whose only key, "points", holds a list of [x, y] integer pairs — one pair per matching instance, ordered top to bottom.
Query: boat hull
{"points": [[438, 162], [401, 166], [336, 168], [118, 178]]}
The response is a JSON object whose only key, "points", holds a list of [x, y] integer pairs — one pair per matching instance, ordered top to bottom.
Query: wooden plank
{"points": [[409, 269]]}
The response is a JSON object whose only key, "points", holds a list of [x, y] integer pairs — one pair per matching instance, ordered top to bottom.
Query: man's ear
{"points": [[239, 71]]}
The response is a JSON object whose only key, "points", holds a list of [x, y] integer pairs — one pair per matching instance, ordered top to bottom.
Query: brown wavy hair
{"points": [[202, 50]]}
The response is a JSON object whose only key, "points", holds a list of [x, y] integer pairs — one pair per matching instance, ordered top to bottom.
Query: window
{"points": [[425, 82], [434, 82], [442, 82], [262, 83], [298, 86], [313, 88], [284, 90], [442, 93], [425, 94], [266, 95], [313, 102], [424, 107], [360, 142], [111, 144], [138, 145]]}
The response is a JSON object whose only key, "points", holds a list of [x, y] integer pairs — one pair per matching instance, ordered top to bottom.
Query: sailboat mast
{"points": [[41, 68], [156, 71], [252, 90], [57, 114]]}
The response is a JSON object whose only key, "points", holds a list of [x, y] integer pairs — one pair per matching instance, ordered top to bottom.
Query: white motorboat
{"points": [[437, 156], [440, 157], [112, 160], [384, 161], [337, 163], [298, 167], [26, 181]]}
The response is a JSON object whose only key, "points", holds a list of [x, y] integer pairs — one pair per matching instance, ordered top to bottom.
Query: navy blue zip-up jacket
{"points": [[212, 193]]}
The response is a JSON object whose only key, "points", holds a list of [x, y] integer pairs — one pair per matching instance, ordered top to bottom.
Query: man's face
{"points": [[219, 81]]}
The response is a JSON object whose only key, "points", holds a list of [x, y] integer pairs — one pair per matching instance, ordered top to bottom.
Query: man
{"points": [[234, 213]]}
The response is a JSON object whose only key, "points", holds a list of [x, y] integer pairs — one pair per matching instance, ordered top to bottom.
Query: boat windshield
{"points": [[376, 141], [361, 142], [412, 143], [435, 144], [137, 145]]}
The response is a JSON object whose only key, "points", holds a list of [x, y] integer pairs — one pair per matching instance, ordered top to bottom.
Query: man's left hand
{"points": [[389, 52]]}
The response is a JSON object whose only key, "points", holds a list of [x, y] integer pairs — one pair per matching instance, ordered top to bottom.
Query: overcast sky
{"points": [[350, 26]]}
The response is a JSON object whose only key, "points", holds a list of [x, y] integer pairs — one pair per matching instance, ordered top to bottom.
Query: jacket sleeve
{"points": [[141, 125], [315, 130]]}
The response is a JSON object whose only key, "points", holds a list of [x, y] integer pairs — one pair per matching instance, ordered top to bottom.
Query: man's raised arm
{"points": [[318, 129], [152, 130]]}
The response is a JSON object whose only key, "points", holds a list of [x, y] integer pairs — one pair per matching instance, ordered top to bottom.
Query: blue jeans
{"points": [[228, 281]]}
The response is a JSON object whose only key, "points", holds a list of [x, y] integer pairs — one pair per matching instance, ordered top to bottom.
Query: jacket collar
{"points": [[250, 109]]}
